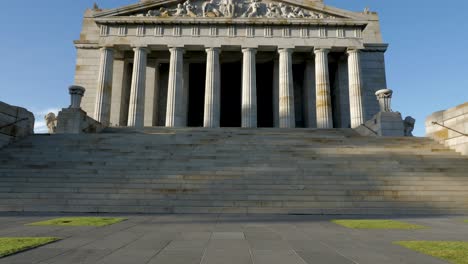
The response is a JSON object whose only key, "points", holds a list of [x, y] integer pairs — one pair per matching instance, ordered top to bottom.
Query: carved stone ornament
{"points": [[232, 9], [384, 97]]}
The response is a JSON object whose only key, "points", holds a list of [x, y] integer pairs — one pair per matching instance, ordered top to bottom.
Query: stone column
{"points": [[118, 86], [104, 87], [249, 88], [175, 89], [212, 89], [286, 89], [355, 89], [322, 90], [151, 93], [276, 93], [309, 95], [185, 102], [136, 109]]}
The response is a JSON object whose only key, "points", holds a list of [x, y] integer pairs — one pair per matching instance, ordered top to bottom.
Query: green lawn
{"points": [[79, 221], [466, 221], [376, 224], [11, 245], [452, 251]]}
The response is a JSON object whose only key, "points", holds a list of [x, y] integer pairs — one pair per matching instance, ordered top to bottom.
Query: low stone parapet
{"points": [[73, 120], [76, 121], [15, 123], [383, 124], [450, 127]]}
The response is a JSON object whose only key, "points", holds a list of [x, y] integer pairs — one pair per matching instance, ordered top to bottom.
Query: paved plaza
{"points": [[226, 239]]}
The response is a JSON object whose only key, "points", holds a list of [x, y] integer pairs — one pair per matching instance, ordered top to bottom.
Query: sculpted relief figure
{"points": [[228, 8], [190, 9], [210, 9], [252, 9], [273, 10], [179, 11], [51, 122]]}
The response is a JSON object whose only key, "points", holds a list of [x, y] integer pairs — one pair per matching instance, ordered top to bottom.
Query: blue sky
{"points": [[427, 61]]}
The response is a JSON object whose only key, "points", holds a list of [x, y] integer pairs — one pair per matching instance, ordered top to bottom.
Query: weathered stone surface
{"points": [[76, 121], [23, 123], [384, 124], [451, 128], [232, 170]]}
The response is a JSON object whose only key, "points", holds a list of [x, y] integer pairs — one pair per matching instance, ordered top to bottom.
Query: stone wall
{"points": [[373, 77], [455, 118], [23, 128]]}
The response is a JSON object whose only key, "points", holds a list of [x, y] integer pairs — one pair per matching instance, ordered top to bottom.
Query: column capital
{"points": [[108, 48], [141, 48], [174, 49], [215, 49], [249, 49], [285, 50], [321, 50], [351, 50]]}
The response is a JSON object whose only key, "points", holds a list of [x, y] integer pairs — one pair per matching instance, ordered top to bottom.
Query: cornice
{"points": [[223, 21]]}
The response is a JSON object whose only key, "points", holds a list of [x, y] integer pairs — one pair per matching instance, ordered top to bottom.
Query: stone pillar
{"points": [[104, 87], [249, 88], [175, 89], [212, 89], [286, 89], [355, 89], [322, 90], [118, 93], [151, 93], [276, 93], [76, 94], [309, 95], [185, 102], [136, 108]]}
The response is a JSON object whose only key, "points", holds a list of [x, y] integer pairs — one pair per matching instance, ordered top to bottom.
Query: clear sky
{"points": [[427, 61]]}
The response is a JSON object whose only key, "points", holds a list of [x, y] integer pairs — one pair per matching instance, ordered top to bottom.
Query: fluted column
{"points": [[104, 86], [249, 88], [175, 89], [212, 89], [286, 89], [355, 89], [276, 93], [309, 95], [323, 98], [136, 110]]}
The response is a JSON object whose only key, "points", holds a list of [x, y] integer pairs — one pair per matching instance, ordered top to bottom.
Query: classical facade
{"points": [[230, 63]]}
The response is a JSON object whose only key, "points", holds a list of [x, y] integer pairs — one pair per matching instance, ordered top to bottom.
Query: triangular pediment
{"points": [[249, 9]]}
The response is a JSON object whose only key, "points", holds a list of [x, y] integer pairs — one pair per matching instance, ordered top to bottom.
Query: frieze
{"points": [[233, 9]]}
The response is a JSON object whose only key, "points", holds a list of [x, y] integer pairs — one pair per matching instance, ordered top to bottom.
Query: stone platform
{"points": [[232, 170], [227, 239]]}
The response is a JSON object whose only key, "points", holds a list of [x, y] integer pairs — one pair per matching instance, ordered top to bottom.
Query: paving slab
{"points": [[228, 239]]}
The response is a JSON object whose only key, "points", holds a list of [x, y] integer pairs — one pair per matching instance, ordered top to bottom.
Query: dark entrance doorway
{"points": [[196, 94], [265, 94], [231, 97]]}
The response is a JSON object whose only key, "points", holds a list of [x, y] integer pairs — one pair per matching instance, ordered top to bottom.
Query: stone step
{"points": [[232, 170]]}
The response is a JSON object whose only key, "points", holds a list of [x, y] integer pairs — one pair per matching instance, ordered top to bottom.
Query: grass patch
{"points": [[79, 221], [466, 221], [376, 224], [12, 245], [451, 251]]}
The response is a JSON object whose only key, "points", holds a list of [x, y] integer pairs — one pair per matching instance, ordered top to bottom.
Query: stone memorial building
{"points": [[230, 63], [154, 79]]}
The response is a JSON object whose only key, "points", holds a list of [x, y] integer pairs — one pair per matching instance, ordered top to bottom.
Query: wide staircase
{"points": [[232, 170]]}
